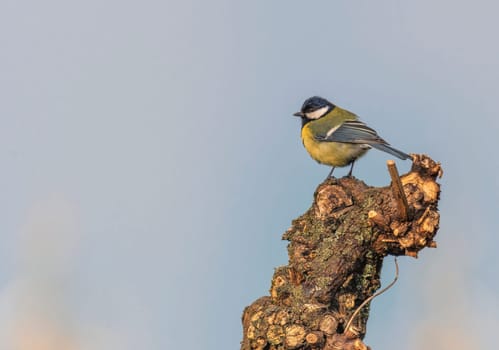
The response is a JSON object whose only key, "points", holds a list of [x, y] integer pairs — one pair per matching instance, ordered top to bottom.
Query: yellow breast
{"points": [[330, 153]]}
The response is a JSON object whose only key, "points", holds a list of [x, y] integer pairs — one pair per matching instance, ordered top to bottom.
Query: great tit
{"points": [[336, 137]]}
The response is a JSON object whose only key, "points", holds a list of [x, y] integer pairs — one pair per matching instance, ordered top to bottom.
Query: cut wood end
{"points": [[377, 219], [411, 253], [329, 324], [275, 334], [295, 335], [314, 338], [359, 345]]}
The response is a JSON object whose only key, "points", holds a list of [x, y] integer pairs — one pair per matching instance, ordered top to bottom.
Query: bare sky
{"points": [[151, 162]]}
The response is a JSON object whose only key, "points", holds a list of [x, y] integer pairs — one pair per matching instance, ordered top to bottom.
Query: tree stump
{"points": [[336, 253]]}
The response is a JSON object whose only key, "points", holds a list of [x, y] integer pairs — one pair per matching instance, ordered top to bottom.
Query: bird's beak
{"points": [[299, 114]]}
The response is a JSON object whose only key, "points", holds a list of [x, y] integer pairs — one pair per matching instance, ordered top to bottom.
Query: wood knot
{"points": [[426, 166], [331, 198], [378, 220], [329, 324], [275, 334], [294, 336], [315, 338], [341, 342]]}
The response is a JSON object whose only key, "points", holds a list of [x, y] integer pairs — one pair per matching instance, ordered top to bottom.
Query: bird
{"points": [[336, 137]]}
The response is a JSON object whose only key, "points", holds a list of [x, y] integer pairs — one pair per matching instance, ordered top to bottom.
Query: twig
{"points": [[398, 191], [425, 214], [374, 295]]}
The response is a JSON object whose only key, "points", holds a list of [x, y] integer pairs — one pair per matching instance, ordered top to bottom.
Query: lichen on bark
{"points": [[336, 251]]}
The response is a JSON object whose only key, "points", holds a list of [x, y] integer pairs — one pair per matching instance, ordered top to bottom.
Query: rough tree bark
{"points": [[336, 252]]}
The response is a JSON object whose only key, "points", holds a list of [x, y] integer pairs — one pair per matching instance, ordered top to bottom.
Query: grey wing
{"points": [[355, 131]]}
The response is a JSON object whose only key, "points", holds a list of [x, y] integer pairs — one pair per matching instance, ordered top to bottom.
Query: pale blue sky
{"points": [[151, 162]]}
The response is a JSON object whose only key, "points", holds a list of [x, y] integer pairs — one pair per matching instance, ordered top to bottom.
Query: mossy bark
{"points": [[336, 253]]}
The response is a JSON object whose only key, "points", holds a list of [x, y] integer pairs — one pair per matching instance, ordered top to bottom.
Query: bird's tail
{"points": [[388, 149]]}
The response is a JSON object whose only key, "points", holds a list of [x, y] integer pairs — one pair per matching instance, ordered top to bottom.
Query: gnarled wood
{"points": [[336, 252]]}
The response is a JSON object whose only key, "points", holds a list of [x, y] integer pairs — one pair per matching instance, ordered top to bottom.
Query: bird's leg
{"points": [[351, 168], [330, 173]]}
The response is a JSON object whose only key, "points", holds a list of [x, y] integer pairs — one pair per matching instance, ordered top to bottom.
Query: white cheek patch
{"points": [[317, 113]]}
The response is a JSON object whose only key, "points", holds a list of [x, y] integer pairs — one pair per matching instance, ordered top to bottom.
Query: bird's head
{"points": [[314, 108]]}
